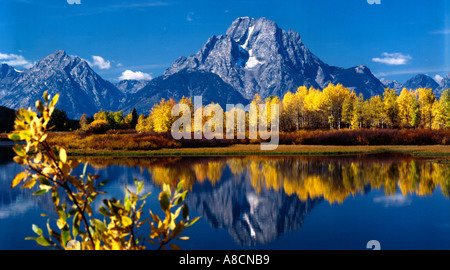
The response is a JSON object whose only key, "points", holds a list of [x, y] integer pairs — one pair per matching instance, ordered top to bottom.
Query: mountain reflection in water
{"points": [[258, 198]]}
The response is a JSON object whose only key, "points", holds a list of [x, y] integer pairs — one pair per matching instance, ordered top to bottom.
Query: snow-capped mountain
{"points": [[255, 56], [81, 89], [250, 217]]}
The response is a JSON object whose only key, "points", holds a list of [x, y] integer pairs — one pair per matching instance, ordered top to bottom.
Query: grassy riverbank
{"points": [[423, 143], [441, 151]]}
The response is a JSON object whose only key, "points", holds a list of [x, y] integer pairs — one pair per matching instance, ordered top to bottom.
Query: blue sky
{"points": [[395, 39]]}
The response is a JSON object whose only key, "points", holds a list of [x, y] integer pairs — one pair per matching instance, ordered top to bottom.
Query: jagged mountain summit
{"points": [[255, 56], [7, 75], [421, 81], [184, 83], [445, 84], [392, 85], [131, 86], [81, 89], [250, 217]]}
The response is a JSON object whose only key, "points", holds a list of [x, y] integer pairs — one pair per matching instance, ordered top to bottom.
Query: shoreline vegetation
{"points": [[332, 121], [129, 143], [418, 143], [428, 151]]}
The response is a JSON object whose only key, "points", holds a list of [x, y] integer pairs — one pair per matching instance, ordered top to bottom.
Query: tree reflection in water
{"points": [[331, 178], [257, 198]]}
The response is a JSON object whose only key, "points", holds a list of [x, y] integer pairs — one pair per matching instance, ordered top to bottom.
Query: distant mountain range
{"points": [[255, 56], [420, 81], [81, 89]]}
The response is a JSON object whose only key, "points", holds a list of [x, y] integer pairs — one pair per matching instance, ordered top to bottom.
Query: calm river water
{"points": [[289, 203]]}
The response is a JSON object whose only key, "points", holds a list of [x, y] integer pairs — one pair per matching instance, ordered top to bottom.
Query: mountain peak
{"points": [[244, 28], [59, 55], [256, 56], [58, 59], [362, 69], [421, 81]]}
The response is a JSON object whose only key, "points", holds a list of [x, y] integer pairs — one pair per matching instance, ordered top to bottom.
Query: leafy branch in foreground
{"points": [[49, 167]]}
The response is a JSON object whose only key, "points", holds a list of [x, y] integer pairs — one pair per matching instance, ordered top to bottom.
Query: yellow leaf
{"points": [[54, 101], [43, 138], [62, 155], [19, 160], [48, 170], [19, 177], [30, 183], [88, 209], [126, 221], [172, 222]]}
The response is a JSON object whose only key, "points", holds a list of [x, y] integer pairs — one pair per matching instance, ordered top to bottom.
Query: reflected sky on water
{"points": [[257, 202]]}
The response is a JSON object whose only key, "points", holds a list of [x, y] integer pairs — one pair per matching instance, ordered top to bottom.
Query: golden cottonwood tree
{"points": [[301, 93], [335, 96], [426, 100], [314, 106], [376, 106], [404, 107], [348, 108], [390, 109], [441, 111], [161, 115], [289, 119]]}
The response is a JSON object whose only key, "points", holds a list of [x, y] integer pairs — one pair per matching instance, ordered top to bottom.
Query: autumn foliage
{"points": [[333, 116]]}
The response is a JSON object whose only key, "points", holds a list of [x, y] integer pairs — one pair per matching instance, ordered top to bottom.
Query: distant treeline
{"points": [[333, 108], [7, 117]]}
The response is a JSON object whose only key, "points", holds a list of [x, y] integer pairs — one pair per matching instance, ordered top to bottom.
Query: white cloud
{"points": [[141, 5], [190, 16], [441, 32], [393, 59], [15, 60], [100, 62], [411, 71], [135, 75], [438, 78], [396, 200]]}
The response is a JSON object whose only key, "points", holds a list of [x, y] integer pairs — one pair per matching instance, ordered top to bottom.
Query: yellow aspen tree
{"points": [[300, 95], [334, 97], [426, 100], [188, 101], [376, 106], [315, 107], [390, 107], [404, 107], [347, 108], [441, 111], [289, 112], [161, 115], [253, 119]]}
